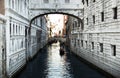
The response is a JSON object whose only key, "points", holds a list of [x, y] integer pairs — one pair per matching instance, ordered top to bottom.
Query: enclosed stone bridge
{"points": [[43, 7], [93, 36]]}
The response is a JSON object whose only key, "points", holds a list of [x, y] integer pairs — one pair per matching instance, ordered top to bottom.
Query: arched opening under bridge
{"points": [[77, 17]]}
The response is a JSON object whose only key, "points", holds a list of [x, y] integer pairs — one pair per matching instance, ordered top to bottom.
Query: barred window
{"points": [[93, 0], [87, 2], [115, 13], [102, 16], [93, 19], [87, 20], [10, 28], [82, 43], [86, 44], [92, 45], [101, 47], [113, 49]]}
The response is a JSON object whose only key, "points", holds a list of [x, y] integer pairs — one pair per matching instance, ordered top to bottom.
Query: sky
{"points": [[55, 17], [57, 20]]}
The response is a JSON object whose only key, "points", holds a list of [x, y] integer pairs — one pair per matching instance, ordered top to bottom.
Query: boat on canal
{"points": [[62, 51]]}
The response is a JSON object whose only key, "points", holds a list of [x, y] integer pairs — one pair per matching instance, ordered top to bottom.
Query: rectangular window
{"points": [[93, 0], [46, 1], [67, 1], [83, 1], [87, 2], [13, 4], [115, 13], [102, 16], [93, 19], [87, 20], [41, 21], [75, 23], [79, 23], [82, 25], [73, 26], [10, 28], [13, 29], [19, 29], [16, 30], [75, 43], [78, 43], [82, 43], [86, 43], [92, 45], [101, 47], [113, 50]]}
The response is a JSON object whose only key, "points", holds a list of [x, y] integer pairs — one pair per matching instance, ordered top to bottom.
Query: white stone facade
{"points": [[16, 12], [17, 21], [38, 35], [99, 40], [18, 47]]}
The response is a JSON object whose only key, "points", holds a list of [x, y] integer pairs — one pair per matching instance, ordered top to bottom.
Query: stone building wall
{"points": [[16, 12], [38, 35], [100, 39], [17, 42]]}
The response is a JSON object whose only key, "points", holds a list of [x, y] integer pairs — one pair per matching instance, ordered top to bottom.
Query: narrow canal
{"points": [[49, 64]]}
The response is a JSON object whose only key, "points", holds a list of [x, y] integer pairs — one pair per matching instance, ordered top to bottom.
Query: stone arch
{"points": [[81, 21]]}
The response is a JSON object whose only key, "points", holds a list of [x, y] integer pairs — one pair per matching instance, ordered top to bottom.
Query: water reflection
{"points": [[49, 64], [57, 66]]}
